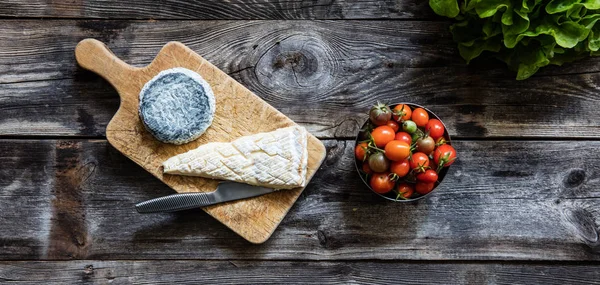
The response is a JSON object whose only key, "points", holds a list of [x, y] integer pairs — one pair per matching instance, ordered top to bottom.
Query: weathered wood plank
{"points": [[219, 10], [331, 46], [308, 70], [25, 199], [502, 200], [286, 272]]}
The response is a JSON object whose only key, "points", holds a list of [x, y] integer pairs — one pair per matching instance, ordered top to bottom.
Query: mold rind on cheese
{"points": [[177, 105]]}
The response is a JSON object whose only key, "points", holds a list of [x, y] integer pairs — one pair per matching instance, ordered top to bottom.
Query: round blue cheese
{"points": [[177, 106]]}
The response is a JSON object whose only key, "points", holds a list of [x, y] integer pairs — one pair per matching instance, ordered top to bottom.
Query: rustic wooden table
{"points": [[521, 205]]}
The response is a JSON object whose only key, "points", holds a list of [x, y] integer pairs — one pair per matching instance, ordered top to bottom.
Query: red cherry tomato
{"points": [[402, 112], [420, 117], [392, 124], [435, 128], [383, 135], [404, 136], [397, 150], [361, 151], [444, 155], [419, 161], [400, 168], [366, 169], [429, 176], [381, 183], [424, 188], [405, 190]]}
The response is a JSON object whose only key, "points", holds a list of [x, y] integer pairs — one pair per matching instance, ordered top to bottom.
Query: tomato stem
{"points": [[376, 148]]}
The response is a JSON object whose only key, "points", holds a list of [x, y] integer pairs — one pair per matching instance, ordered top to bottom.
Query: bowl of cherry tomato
{"points": [[403, 151]]}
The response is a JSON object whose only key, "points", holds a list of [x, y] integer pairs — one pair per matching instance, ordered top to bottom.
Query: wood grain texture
{"points": [[218, 9], [307, 70], [238, 113], [502, 200], [286, 272]]}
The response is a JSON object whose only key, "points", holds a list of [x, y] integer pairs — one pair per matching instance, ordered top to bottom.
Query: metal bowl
{"points": [[392, 195]]}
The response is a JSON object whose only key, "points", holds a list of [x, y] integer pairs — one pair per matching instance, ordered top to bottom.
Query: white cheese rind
{"points": [[275, 159]]}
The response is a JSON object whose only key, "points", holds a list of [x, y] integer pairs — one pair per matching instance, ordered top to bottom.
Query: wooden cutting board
{"points": [[239, 112]]}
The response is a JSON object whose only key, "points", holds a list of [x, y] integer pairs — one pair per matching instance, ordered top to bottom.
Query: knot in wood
{"points": [[300, 63], [575, 178], [583, 222], [322, 238], [88, 269]]}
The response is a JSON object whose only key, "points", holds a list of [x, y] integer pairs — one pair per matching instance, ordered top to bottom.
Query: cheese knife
{"points": [[226, 191]]}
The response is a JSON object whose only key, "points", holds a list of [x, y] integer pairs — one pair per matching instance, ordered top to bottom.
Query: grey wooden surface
{"points": [[218, 9], [306, 69], [501, 201], [520, 206], [293, 272]]}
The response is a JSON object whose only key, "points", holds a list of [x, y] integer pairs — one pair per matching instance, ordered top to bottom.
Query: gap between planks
{"points": [[4, 18], [465, 139], [388, 261]]}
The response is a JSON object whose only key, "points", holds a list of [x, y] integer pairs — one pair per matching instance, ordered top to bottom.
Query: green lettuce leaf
{"points": [[591, 4], [557, 6], [448, 8], [488, 8], [514, 33], [526, 34], [594, 40], [475, 48]]}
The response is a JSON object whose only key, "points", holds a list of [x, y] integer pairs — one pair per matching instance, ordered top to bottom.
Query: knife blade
{"points": [[226, 191]]}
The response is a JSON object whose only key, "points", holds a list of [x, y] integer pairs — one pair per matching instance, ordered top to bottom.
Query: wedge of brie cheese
{"points": [[276, 159]]}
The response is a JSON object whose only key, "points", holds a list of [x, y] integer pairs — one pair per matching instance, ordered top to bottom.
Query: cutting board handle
{"points": [[95, 56]]}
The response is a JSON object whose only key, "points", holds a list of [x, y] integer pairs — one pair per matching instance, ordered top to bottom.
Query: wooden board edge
{"points": [[321, 150], [323, 153]]}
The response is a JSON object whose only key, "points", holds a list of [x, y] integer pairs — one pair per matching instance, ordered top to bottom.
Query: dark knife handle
{"points": [[176, 202]]}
